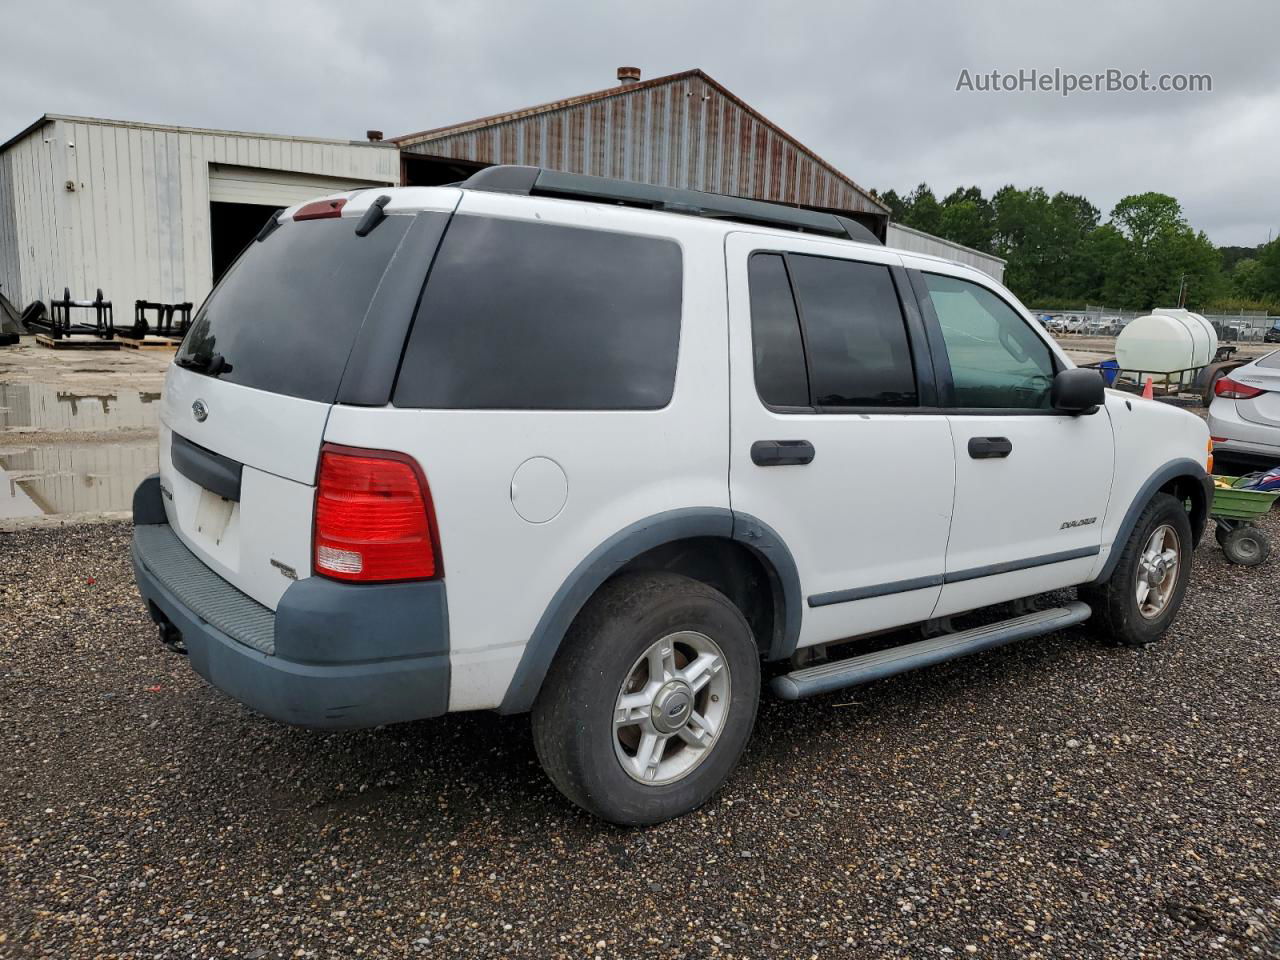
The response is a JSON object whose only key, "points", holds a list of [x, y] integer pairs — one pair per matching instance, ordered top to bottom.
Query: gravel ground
{"points": [[1057, 798]]}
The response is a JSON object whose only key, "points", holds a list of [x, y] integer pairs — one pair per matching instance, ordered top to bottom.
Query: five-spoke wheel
{"points": [[671, 707]]}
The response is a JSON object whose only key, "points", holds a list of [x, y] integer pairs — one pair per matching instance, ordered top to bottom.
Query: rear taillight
{"points": [[321, 209], [1235, 390], [374, 518]]}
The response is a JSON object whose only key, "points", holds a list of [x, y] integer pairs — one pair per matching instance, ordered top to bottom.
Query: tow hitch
{"points": [[172, 638]]}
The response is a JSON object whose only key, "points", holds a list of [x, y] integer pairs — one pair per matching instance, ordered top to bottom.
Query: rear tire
{"points": [[1136, 605], [650, 701]]}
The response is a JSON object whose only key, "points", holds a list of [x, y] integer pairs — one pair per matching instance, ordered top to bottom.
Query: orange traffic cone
{"points": [[1148, 389]]}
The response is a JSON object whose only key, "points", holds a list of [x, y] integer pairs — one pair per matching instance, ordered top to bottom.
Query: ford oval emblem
{"points": [[200, 411]]}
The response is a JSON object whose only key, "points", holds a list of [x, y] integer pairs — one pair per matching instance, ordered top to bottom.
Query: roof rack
{"points": [[540, 182]]}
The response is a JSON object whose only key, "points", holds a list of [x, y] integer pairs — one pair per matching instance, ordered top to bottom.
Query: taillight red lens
{"points": [[321, 209], [1235, 390], [374, 518]]}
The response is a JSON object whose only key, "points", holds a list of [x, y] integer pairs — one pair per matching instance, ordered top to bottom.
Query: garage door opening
{"points": [[242, 198], [231, 228]]}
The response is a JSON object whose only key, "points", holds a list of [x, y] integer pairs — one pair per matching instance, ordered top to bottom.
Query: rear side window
{"points": [[286, 315], [534, 316], [855, 336], [776, 346]]}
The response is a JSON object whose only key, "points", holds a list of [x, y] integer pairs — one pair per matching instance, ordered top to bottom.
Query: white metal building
{"points": [[152, 212], [917, 241]]}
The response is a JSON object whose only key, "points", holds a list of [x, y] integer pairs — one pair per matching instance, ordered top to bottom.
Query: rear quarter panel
{"points": [[500, 570]]}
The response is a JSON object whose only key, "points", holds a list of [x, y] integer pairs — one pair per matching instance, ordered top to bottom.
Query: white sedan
{"points": [[1244, 417]]}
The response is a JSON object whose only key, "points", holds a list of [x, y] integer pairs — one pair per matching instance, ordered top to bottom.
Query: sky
{"points": [[869, 86]]}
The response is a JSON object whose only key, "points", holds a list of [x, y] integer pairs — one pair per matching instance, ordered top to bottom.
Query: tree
{"points": [[897, 206], [923, 210], [1145, 216], [968, 218], [1269, 270], [1246, 279]]}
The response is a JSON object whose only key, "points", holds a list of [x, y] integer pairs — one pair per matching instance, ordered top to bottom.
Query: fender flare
{"points": [[1184, 467], [623, 547]]}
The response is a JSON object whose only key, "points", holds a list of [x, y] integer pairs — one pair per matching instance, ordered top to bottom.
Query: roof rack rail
{"points": [[540, 182]]}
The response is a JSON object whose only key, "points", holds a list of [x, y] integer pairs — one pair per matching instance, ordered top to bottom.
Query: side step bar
{"points": [[825, 677]]}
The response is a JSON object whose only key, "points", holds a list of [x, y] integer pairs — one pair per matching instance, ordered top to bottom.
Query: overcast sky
{"points": [[870, 86]]}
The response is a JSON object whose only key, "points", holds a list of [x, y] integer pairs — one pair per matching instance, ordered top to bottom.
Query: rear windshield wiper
{"points": [[213, 365]]}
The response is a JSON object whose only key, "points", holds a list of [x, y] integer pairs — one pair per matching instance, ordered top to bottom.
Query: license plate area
{"points": [[213, 517]]}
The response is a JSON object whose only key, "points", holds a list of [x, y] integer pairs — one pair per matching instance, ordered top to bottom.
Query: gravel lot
{"points": [[1057, 798]]}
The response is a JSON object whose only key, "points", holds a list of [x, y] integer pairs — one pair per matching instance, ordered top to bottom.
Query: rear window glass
{"points": [[285, 316], [535, 316], [855, 334], [776, 346], [1271, 360]]}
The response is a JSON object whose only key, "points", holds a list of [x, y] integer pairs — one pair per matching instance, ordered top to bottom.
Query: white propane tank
{"points": [[1166, 340]]}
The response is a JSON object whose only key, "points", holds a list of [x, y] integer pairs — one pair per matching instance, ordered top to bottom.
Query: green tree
{"points": [[897, 206], [923, 210], [1145, 216], [968, 218], [1162, 254], [1269, 270], [1246, 279]]}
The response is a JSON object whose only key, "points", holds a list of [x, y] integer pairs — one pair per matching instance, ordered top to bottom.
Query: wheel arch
{"points": [[1184, 479], [711, 544]]}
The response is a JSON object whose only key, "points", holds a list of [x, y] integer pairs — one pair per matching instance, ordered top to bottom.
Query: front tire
{"points": [[1136, 605], [651, 699]]}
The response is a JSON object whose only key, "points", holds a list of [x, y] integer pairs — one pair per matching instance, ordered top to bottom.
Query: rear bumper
{"points": [[1242, 436], [331, 655]]}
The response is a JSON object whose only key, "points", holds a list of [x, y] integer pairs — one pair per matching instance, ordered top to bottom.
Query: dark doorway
{"points": [[420, 171], [231, 228]]}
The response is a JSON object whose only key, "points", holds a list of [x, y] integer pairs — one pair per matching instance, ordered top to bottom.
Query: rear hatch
{"points": [[1264, 375], [249, 393]]}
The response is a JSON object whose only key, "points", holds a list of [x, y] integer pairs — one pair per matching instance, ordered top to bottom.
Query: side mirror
{"points": [[1079, 390]]}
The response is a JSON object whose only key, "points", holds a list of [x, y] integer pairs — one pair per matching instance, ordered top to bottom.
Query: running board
{"points": [[838, 674]]}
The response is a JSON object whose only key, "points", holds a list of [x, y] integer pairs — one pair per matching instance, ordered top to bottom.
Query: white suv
{"points": [[597, 450]]}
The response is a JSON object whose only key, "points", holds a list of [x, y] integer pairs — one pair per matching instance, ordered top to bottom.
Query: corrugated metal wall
{"points": [[683, 133], [31, 174], [137, 223], [906, 238]]}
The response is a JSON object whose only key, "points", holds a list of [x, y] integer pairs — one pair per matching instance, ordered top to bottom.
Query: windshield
{"points": [[285, 316]]}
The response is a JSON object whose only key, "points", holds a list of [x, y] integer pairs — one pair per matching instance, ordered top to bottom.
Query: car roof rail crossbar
{"points": [[540, 182]]}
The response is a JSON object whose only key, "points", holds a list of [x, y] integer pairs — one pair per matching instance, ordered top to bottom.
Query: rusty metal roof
{"points": [[640, 131]]}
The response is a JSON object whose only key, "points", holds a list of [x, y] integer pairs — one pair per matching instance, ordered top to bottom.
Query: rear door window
{"points": [[524, 315], [285, 316], [855, 335], [776, 346]]}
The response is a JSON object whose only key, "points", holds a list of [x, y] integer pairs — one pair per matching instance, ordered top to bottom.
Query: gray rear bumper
{"points": [[331, 654]]}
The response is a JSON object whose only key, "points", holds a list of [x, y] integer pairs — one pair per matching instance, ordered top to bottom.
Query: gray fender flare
{"points": [[1172, 470], [627, 544]]}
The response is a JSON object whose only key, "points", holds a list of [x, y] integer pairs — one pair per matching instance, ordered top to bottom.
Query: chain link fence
{"points": [[1248, 326]]}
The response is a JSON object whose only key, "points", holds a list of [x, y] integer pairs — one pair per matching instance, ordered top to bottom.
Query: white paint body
{"points": [[889, 497]]}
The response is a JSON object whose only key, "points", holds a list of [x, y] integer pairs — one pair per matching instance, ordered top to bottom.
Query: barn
{"points": [[683, 130]]}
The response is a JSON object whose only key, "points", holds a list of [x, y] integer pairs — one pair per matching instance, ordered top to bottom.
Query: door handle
{"points": [[988, 448], [781, 453]]}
